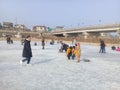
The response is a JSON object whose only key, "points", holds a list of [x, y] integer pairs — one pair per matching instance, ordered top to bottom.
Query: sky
{"points": [[67, 13]]}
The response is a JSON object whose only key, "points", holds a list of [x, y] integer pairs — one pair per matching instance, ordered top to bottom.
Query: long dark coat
{"points": [[27, 49]]}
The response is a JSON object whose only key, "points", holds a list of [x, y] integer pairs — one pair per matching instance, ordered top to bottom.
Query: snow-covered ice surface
{"points": [[51, 70]]}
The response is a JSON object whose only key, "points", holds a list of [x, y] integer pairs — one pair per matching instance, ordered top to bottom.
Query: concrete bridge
{"points": [[93, 30], [85, 31]]}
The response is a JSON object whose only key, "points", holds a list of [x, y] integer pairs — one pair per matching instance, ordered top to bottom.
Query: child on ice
{"points": [[69, 52], [73, 52], [78, 52]]}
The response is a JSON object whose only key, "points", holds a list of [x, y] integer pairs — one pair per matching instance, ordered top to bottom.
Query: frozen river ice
{"points": [[51, 70]]}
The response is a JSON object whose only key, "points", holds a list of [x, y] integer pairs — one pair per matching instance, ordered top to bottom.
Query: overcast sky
{"points": [[68, 13]]}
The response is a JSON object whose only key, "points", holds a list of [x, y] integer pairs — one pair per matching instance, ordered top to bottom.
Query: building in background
{"points": [[8, 25], [20, 27], [60, 27], [39, 28], [49, 29]]}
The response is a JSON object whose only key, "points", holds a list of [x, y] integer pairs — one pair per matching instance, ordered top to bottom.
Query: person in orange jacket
{"points": [[69, 52], [78, 52]]}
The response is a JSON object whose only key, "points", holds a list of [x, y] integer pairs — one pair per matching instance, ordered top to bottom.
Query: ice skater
{"points": [[102, 46], [27, 52]]}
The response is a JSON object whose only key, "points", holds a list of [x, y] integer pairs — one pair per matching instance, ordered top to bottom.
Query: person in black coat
{"points": [[63, 47], [27, 52]]}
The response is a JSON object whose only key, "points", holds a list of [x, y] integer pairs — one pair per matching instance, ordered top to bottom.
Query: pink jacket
{"points": [[118, 49]]}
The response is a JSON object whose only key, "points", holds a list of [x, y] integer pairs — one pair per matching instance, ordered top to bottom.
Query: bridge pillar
{"points": [[118, 31], [65, 34], [85, 34], [104, 34]]}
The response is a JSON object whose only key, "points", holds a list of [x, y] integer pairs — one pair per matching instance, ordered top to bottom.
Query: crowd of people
{"points": [[72, 52]]}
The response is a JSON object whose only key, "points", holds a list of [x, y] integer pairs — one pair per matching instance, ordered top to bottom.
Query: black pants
{"points": [[102, 50], [69, 55], [73, 56], [27, 59]]}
